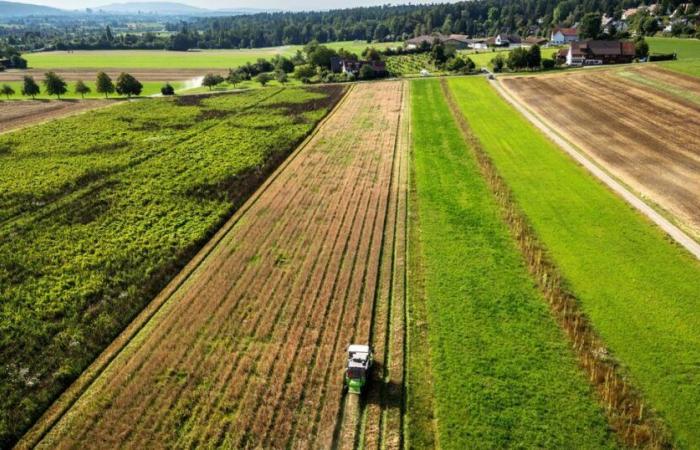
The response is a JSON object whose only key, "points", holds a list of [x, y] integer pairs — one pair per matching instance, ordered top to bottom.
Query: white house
{"points": [[561, 36], [506, 40]]}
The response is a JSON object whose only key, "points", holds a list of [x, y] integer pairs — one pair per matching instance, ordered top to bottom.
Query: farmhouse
{"points": [[563, 36], [422, 40], [504, 40], [534, 40], [459, 41], [600, 52], [351, 66]]}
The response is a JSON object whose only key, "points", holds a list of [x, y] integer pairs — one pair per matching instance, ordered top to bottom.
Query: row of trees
{"points": [[378, 23], [54, 84]]}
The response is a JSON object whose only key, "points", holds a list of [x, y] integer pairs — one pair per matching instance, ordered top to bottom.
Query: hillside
{"points": [[151, 8], [12, 9]]}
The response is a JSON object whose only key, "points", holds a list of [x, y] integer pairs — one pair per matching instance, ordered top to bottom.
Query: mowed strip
{"points": [[648, 138], [250, 350]]}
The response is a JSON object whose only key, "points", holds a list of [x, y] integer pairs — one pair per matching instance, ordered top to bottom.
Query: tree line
{"points": [[378, 23], [54, 85]]}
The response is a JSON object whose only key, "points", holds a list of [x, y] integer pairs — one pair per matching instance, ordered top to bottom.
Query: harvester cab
{"points": [[360, 361]]}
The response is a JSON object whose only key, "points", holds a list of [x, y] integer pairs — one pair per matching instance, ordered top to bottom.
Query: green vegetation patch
{"points": [[688, 51], [149, 88], [99, 211], [639, 289], [504, 375]]}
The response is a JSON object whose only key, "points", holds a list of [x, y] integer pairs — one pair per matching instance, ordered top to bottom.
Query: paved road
{"points": [[676, 233]]}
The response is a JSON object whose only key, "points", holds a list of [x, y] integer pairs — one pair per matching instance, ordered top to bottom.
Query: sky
{"points": [[228, 4]]}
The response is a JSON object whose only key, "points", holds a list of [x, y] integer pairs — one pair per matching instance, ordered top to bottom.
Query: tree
{"points": [[590, 26], [641, 48], [371, 54], [320, 56], [534, 57], [498, 62], [304, 72], [366, 72], [281, 76], [234, 78], [263, 79], [210, 80], [54, 84], [104, 84], [128, 85], [29, 87], [82, 88], [7, 90], [167, 90]]}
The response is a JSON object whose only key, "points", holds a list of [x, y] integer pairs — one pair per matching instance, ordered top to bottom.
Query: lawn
{"points": [[688, 51], [162, 59], [149, 88], [97, 215], [639, 289], [504, 375]]}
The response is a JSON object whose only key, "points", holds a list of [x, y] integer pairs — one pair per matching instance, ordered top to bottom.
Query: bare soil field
{"points": [[90, 74], [19, 114], [647, 138], [248, 349]]}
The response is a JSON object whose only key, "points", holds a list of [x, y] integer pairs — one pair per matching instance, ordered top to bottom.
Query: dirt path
{"points": [[18, 114], [672, 230], [248, 347]]}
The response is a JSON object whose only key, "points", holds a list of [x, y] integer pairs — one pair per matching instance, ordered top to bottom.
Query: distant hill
{"points": [[151, 8], [12, 9]]}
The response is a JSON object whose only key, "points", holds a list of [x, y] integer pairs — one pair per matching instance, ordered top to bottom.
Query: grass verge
{"points": [[638, 288], [503, 375]]}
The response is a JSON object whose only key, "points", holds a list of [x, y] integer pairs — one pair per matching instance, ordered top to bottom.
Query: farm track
{"points": [[21, 114], [630, 130], [249, 350]]}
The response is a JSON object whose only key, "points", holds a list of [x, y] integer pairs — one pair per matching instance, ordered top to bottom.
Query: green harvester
{"points": [[360, 361]]}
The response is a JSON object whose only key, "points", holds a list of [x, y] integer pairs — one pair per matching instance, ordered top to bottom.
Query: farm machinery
{"points": [[360, 360]]}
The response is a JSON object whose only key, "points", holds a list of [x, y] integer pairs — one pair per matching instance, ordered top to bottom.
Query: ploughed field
{"points": [[21, 114], [641, 124], [99, 211], [248, 347]]}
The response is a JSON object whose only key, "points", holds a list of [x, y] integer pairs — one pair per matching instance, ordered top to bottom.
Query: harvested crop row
{"points": [[628, 128], [255, 338]]}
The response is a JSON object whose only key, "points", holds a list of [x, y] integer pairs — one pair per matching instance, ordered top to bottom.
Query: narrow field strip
{"points": [[638, 288], [213, 367], [502, 370]]}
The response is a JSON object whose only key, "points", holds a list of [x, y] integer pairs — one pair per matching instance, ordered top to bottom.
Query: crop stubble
{"points": [[646, 138], [250, 350]]}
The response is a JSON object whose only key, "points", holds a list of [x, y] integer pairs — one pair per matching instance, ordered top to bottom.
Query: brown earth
{"points": [[90, 74], [17, 114], [648, 139], [248, 350]]}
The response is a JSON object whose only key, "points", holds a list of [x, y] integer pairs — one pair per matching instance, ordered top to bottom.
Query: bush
{"points": [[662, 57], [548, 64], [167, 90]]}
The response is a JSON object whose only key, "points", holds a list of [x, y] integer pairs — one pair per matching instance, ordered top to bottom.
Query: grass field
{"points": [[688, 51], [162, 59], [149, 88], [103, 209], [639, 289], [503, 372]]}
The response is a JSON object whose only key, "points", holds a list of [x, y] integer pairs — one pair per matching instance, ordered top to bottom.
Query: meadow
{"points": [[688, 51], [162, 59], [98, 212], [637, 287], [502, 370]]}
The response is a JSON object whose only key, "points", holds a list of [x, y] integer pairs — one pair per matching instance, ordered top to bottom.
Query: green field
{"points": [[688, 51], [162, 59], [149, 88], [99, 211], [639, 289], [504, 375]]}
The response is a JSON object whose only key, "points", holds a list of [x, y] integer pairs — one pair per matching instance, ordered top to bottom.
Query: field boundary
{"points": [[678, 235], [66, 400], [627, 412]]}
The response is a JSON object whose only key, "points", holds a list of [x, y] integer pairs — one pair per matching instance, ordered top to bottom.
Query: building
{"points": [[561, 36], [505, 40], [535, 40], [418, 41], [458, 41], [585, 53], [350, 66]]}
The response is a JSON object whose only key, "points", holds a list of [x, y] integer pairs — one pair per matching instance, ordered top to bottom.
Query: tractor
{"points": [[360, 360]]}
